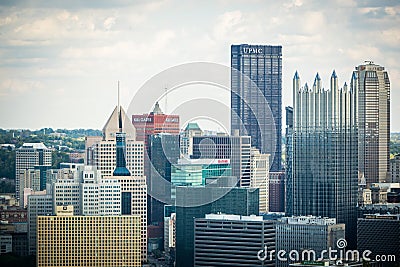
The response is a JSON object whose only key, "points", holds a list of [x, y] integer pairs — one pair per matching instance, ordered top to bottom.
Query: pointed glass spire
{"points": [[334, 74], [296, 76], [317, 78], [157, 109]]}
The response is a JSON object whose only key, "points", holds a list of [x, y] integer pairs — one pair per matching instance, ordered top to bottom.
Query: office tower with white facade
{"points": [[262, 66], [372, 84], [191, 129], [103, 153], [27, 157], [325, 168], [128, 169], [259, 177]]}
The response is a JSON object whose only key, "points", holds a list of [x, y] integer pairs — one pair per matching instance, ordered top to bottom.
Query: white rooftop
{"points": [[34, 145], [233, 217]]}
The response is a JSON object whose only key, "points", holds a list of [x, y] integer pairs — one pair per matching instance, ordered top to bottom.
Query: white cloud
{"points": [[79, 50]]}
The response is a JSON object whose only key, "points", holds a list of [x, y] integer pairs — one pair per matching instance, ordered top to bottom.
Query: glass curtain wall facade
{"points": [[263, 65], [325, 168]]}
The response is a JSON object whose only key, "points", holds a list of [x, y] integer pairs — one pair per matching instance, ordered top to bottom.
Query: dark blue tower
{"points": [[263, 65], [120, 137]]}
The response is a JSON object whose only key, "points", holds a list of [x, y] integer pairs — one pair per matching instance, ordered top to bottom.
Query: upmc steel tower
{"points": [[263, 65]]}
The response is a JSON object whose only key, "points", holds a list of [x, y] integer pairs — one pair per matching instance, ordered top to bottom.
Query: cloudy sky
{"points": [[60, 60]]}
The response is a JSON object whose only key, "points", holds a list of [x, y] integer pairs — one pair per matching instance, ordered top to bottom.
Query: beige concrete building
{"points": [[259, 177], [67, 240]]}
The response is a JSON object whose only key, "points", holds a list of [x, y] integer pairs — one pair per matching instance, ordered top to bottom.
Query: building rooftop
{"points": [[192, 126], [34, 145], [233, 217], [395, 217], [308, 220]]}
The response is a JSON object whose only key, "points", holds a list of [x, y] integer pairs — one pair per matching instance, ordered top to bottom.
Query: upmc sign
{"points": [[252, 50]]}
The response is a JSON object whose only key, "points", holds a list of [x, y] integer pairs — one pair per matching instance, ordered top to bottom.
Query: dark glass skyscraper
{"points": [[263, 65], [163, 151], [324, 172]]}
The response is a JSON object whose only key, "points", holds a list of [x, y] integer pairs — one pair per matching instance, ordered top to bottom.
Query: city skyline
{"points": [[59, 56]]}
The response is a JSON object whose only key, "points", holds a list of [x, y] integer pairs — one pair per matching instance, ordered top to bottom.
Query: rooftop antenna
{"points": [[166, 101], [119, 113]]}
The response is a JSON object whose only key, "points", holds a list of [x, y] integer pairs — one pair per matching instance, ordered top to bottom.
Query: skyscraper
{"points": [[263, 65], [372, 84], [163, 152], [101, 153], [28, 156], [120, 158], [289, 160], [324, 171], [259, 177], [133, 187]]}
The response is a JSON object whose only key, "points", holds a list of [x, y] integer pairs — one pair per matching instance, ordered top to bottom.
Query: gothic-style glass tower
{"points": [[324, 171]]}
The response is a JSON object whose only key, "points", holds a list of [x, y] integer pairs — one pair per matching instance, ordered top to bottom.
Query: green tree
{"points": [[7, 164]]}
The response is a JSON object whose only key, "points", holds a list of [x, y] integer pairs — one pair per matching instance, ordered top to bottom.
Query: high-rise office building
{"points": [[262, 64], [371, 82], [155, 122], [149, 128], [191, 129], [235, 148], [163, 152], [102, 153], [27, 157], [289, 160], [324, 174], [259, 177], [133, 186], [277, 191], [196, 202], [38, 205], [307, 233], [380, 234], [68, 240], [232, 240]]}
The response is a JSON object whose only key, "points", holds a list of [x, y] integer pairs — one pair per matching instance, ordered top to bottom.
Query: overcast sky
{"points": [[60, 60]]}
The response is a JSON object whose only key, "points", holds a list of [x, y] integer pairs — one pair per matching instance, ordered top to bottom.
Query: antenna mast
{"points": [[118, 95], [166, 100]]}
